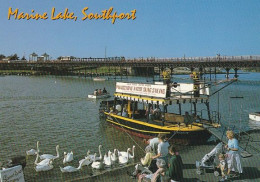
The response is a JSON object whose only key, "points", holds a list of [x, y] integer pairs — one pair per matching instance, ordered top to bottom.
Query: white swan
{"points": [[33, 151], [133, 152], [124, 154], [49, 156], [113, 156], [68, 157], [91, 157], [107, 159], [124, 159], [86, 161], [43, 162], [97, 164], [45, 167], [70, 169]]}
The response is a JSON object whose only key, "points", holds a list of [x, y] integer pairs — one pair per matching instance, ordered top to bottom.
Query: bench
{"points": [[174, 118]]}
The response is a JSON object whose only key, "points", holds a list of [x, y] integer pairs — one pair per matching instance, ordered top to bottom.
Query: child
{"points": [[223, 166]]}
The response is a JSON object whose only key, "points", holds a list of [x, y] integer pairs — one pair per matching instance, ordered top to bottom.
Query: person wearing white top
{"points": [[162, 148]]}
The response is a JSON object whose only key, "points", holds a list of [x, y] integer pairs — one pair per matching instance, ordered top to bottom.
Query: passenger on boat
{"points": [[104, 90], [96, 92], [99, 92], [118, 108], [111, 110], [115, 111], [118, 113], [124, 113], [157, 113], [151, 116], [187, 118], [195, 118], [162, 150], [233, 156], [161, 164], [175, 165]]}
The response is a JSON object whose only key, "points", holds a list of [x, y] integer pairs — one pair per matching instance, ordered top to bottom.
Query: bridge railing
{"points": [[150, 59]]}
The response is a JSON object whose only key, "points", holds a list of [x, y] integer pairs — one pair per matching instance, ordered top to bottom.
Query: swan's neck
{"points": [[37, 146], [57, 151], [133, 151], [100, 155], [127, 156], [37, 158], [80, 165]]}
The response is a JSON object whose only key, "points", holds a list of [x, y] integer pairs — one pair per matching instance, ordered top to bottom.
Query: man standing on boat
{"points": [[104, 91], [187, 118]]}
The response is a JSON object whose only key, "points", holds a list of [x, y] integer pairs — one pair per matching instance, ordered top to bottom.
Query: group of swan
{"points": [[47, 159], [96, 162]]}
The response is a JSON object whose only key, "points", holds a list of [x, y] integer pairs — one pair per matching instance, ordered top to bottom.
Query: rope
{"points": [[173, 135], [130, 136]]}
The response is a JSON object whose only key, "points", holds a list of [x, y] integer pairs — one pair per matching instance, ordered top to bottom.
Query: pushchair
{"points": [[208, 162]]}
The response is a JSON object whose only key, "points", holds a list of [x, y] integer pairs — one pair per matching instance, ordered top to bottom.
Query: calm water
{"points": [[55, 110]]}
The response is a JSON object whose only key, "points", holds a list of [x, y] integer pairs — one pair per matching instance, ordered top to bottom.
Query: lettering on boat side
{"points": [[107, 14], [142, 89]]}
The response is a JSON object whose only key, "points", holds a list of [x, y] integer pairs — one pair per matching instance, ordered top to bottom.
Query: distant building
{"points": [[33, 57], [65, 58], [40, 59]]}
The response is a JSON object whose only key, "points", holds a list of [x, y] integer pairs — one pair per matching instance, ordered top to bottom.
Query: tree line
{"points": [[11, 57]]}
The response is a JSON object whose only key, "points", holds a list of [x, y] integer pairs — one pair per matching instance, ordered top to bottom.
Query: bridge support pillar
{"points": [[171, 71], [200, 73], [227, 74], [236, 75]]}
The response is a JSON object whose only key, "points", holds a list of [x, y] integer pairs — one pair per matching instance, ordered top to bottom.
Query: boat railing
{"points": [[214, 116]]}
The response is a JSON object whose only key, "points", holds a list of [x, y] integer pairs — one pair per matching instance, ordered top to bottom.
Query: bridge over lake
{"points": [[136, 64]]}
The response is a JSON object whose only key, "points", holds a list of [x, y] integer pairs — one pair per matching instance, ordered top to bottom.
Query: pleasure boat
{"points": [[99, 79], [102, 96], [142, 109], [255, 116]]}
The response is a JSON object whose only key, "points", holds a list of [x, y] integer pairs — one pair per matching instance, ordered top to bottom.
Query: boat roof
{"points": [[182, 99]]}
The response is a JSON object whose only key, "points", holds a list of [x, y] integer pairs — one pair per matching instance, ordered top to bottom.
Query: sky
{"points": [[163, 29]]}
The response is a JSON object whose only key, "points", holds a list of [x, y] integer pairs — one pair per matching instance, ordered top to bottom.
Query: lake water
{"points": [[55, 110]]}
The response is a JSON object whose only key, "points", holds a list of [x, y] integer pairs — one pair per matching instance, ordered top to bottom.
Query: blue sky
{"points": [[168, 28]]}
